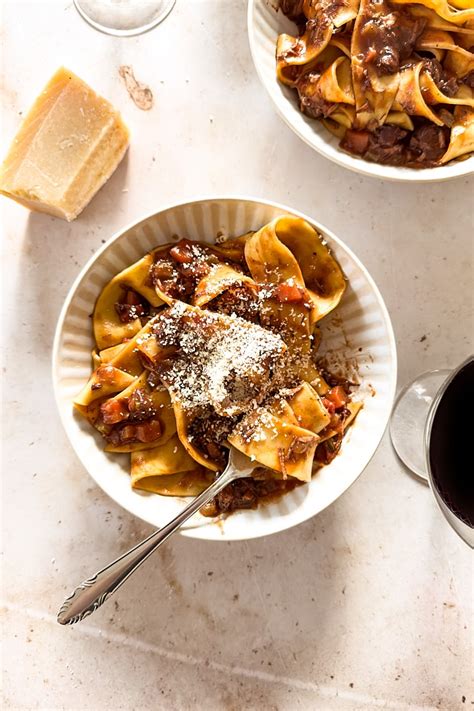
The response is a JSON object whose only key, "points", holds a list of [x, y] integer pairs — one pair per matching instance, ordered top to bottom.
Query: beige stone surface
{"points": [[368, 605]]}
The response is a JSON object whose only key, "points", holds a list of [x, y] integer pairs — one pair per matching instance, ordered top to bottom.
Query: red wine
{"points": [[450, 447]]}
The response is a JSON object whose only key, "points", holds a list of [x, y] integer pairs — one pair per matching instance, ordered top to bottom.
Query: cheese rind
{"points": [[67, 147]]}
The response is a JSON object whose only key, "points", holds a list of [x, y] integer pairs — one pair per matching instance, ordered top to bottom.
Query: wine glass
{"points": [[124, 18], [431, 431]]}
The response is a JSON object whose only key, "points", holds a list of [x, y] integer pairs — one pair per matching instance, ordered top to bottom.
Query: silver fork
{"points": [[93, 592]]}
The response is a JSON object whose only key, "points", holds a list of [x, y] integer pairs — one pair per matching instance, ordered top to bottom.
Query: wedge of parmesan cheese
{"points": [[67, 147]]}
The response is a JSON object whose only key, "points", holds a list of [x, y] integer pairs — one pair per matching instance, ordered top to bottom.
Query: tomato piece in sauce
{"points": [[289, 293], [337, 396], [113, 411], [148, 431]]}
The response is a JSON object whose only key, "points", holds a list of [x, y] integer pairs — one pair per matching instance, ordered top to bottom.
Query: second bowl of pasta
{"points": [[382, 87]]}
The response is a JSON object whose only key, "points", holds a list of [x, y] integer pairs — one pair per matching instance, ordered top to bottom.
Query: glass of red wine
{"points": [[431, 429]]}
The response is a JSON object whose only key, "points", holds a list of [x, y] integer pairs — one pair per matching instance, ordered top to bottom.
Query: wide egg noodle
{"points": [[444, 10], [324, 18], [435, 21], [441, 39], [343, 43], [460, 64], [335, 84], [374, 94], [432, 94], [410, 96], [370, 98], [401, 119], [340, 120], [462, 134], [233, 248], [289, 250], [271, 262], [322, 275], [219, 279], [108, 329], [107, 354], [128, 358], [106, 380], [308, 409], [282, 410], [276, 444], [169, 457], [190, 483]]}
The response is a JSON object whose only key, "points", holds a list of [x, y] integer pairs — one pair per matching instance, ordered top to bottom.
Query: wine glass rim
{"points": [[111, 31], [414, 471], [463, 530]]}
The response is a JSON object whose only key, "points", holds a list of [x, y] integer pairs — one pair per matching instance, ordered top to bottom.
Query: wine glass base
{"points": [[124, 18], [409, 416]]}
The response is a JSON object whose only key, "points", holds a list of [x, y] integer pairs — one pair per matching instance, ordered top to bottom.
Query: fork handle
{"points": [[93, 592]]}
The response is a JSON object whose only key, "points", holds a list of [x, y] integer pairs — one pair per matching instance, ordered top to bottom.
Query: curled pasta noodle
{"points": [[443, 9], [462, 134], [217, 282], [108, 328], [276, 444]]}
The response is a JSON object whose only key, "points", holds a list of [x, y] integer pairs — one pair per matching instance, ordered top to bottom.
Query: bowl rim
{"points": [[398, 174], [199, 532]]}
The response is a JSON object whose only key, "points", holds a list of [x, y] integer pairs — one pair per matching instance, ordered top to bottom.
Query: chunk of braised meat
{"points": [[293, 9], [387, 40], [469, 79], [445, 82], [449, 86], [311, 102], [446, 117], [355, 142], [429, 143], [386, 145], [392, 145], [178, 272], [166, 275], [239, 300], [131, 307], [335, 403], [140, 405], [132, 419], [141, 432], [208, 432], [298, 448], [328, 450], [247, 494]]}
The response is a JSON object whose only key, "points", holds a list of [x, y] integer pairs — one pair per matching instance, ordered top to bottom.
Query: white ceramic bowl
{"points": [[265, 23], [360, 334]]}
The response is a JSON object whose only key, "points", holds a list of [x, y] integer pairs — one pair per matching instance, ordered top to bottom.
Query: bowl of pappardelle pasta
{"points": [[382, 87], [224, 321]]}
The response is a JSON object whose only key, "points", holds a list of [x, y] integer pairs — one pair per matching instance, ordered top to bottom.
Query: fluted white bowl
{"points": [[265, 23], [358, 336]]}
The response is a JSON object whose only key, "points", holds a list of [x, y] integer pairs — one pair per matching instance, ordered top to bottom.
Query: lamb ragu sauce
{"points": [[177, 272]]}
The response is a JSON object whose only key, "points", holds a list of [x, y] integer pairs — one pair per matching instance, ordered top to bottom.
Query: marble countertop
{"points": [[369, 604]]}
